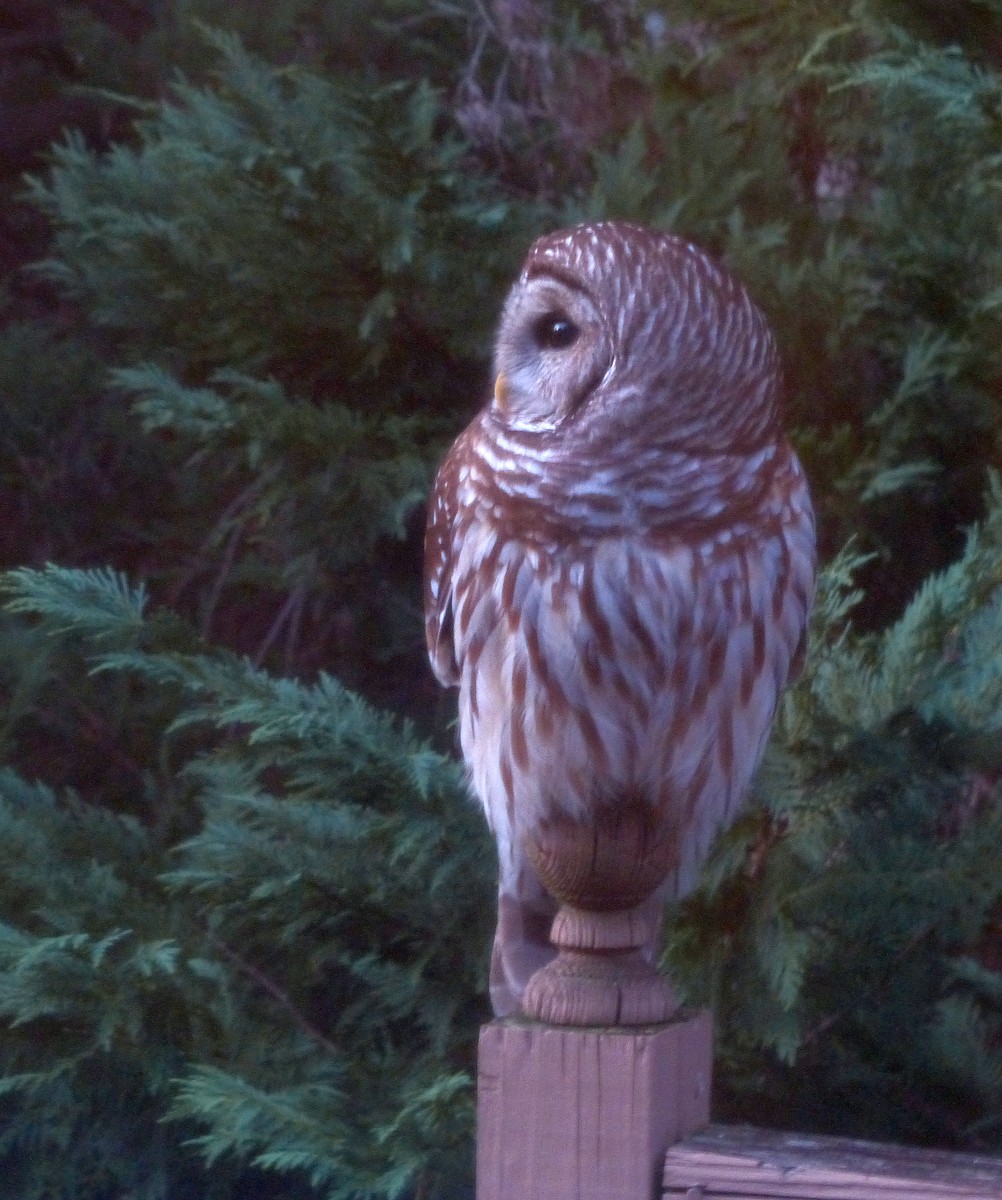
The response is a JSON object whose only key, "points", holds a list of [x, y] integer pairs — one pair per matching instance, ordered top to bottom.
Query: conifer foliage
{"points": [[245, 901], [289, 958]]}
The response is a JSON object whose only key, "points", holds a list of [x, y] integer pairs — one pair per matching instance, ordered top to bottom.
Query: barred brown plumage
{"points": [[619, 564]]}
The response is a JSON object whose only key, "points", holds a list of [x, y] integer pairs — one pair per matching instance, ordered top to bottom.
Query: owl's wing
{"points": [[439, 541]]}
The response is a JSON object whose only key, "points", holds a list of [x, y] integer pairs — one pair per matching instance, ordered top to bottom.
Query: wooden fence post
{"points": [[569, 1113]]}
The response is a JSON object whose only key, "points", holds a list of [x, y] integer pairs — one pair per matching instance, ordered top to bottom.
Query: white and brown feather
{"points": [[620, 584]]}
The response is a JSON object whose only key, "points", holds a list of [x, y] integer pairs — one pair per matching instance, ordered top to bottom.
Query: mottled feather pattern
{"points": [[618, 573]]}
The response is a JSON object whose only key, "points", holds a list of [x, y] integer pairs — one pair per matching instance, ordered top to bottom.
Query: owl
{"points": [[619, 564]]}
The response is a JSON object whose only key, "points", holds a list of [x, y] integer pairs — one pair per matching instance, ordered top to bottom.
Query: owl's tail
{"points": [[521, 942]]}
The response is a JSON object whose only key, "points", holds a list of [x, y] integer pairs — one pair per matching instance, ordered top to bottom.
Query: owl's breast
{"points": [[643, 667]]}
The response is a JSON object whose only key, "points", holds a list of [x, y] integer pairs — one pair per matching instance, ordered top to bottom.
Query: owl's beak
{"points": [[501, 392]]}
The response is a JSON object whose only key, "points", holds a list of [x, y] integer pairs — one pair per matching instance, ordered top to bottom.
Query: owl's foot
{"points": [[587, 988]]}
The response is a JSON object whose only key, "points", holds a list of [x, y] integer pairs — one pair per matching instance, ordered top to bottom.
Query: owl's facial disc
{"points": [[552, 350]]}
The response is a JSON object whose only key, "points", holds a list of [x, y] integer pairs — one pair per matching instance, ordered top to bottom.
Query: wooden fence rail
{"points": [[736, 1163]]}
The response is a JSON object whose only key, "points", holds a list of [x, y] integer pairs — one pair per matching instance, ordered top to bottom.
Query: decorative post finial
{"points": [[605, 875]]}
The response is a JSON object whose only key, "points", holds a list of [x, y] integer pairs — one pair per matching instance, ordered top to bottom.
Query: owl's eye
{"points": [[553, 331]]}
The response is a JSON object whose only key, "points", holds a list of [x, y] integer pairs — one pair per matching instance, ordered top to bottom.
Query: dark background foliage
{"points": [[252, 257]]}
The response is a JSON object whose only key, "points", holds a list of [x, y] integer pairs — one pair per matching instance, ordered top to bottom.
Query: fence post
{"points": [[567, 1113]]}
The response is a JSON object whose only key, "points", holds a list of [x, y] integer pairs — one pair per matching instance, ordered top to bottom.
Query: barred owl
{"points": [[619, 561]]}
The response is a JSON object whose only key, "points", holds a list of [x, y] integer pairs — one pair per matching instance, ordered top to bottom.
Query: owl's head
{"points": [[614, 322]]}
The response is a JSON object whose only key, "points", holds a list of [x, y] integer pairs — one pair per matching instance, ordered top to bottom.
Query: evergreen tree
{"points": [[244, 912], [288, 950]]}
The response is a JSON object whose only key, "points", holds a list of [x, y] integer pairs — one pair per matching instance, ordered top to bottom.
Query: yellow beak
{"points": [[501, 392]]}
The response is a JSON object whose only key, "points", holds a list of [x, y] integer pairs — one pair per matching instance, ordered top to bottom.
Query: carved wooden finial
{"points": [[605, 875]]}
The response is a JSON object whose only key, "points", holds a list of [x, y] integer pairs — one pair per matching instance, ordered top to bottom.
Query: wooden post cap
{"points": [[587, 1113]]}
